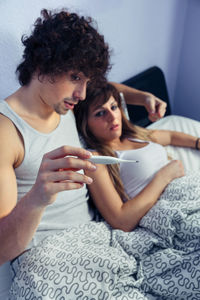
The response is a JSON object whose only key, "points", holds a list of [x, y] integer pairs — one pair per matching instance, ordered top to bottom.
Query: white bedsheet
{"points": [[190, 158]]}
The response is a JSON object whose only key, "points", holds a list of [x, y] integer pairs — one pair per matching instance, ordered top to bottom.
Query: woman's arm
{"points": [[155, 106], [175, 138], [126, 216]]}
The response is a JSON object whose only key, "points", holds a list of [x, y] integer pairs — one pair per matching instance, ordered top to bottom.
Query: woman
{"points": [[104, 127]]}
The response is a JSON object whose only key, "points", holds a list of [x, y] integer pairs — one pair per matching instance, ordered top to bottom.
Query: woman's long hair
{"points": [[101, 95]]}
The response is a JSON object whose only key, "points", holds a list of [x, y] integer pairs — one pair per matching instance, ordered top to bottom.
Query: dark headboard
{"points": [[151, 80]]}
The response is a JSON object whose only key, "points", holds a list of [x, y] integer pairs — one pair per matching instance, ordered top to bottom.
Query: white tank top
{"points": [[135, 176], [70, 206]]}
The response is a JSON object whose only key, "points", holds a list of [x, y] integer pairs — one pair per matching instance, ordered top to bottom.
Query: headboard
{"points": [[151, 80]]}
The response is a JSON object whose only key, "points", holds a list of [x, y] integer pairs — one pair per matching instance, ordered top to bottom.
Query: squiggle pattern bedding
{"points": [[158, 260]]}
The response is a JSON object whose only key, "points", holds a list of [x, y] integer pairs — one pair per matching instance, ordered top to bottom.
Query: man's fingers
{"points": [[68, 150], [67, 163], [58, 171], [68, 176], [66, 186]]}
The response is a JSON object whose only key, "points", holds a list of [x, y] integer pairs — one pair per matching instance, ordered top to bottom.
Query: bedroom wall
{"points": [[141, 33], [187, 93]]}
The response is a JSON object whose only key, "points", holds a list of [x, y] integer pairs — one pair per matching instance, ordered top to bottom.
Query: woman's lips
{"points": [[114, 127]]}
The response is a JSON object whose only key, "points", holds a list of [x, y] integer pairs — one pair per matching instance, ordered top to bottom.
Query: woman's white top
{"points": [[135, 176]]}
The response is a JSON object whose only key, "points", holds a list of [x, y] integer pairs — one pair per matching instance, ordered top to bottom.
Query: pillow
{"points": [[190, 157]]}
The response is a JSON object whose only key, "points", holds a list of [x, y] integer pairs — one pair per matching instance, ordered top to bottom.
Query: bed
{"points": [[153, 80], [118, 273]]}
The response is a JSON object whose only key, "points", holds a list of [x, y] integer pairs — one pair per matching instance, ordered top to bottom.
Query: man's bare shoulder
{"points": [[6, 125], [11, 145]]}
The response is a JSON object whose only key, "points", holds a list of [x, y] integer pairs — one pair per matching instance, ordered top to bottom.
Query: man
{"points": [[42, 189]]}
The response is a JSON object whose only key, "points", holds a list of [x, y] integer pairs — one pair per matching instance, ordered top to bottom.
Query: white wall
{"points": [[142, 33], [187, 93]]}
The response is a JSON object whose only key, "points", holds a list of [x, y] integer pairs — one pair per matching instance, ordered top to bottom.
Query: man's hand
{"points": [[155, 107], [58, 172]]}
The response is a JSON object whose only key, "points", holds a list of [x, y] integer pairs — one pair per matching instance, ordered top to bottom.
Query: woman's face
{"points": [[105, 121]]}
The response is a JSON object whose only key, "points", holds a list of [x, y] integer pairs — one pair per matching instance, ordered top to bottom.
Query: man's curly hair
{"points": [[60, 42]]}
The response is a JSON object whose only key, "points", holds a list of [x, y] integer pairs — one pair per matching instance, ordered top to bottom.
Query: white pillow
{"points": [[190, 157]]}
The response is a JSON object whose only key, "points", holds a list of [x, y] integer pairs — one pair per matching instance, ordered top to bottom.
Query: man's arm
{"points": [[155, 106], [19, 220]]}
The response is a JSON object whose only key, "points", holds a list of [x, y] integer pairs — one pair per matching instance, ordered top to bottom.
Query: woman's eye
{"points": [[114, 107], [100, 113]]}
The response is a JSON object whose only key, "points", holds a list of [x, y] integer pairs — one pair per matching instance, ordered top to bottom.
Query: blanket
{"points": [[160, 259]]}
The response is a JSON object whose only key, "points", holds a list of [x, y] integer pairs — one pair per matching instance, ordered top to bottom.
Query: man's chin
{"points": [[61, 112]]}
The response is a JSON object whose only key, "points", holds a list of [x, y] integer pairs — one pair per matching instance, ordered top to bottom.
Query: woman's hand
{"points": [[172, 170], [58, 172]]}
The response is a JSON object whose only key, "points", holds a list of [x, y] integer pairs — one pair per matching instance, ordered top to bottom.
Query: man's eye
{"points": [[75, 77], [100, 113]]}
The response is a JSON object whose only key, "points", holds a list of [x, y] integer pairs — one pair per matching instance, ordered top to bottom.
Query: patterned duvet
{"points": [[160, 259]]}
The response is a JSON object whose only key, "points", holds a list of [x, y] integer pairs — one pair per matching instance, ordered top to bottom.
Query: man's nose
{"points": [[80, 92]]}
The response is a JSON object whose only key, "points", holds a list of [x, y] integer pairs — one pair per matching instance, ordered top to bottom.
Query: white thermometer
{"points": [[109, 160]]}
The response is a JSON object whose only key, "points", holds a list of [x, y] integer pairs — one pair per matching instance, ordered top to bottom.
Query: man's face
{"points": [[65, 92]]}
